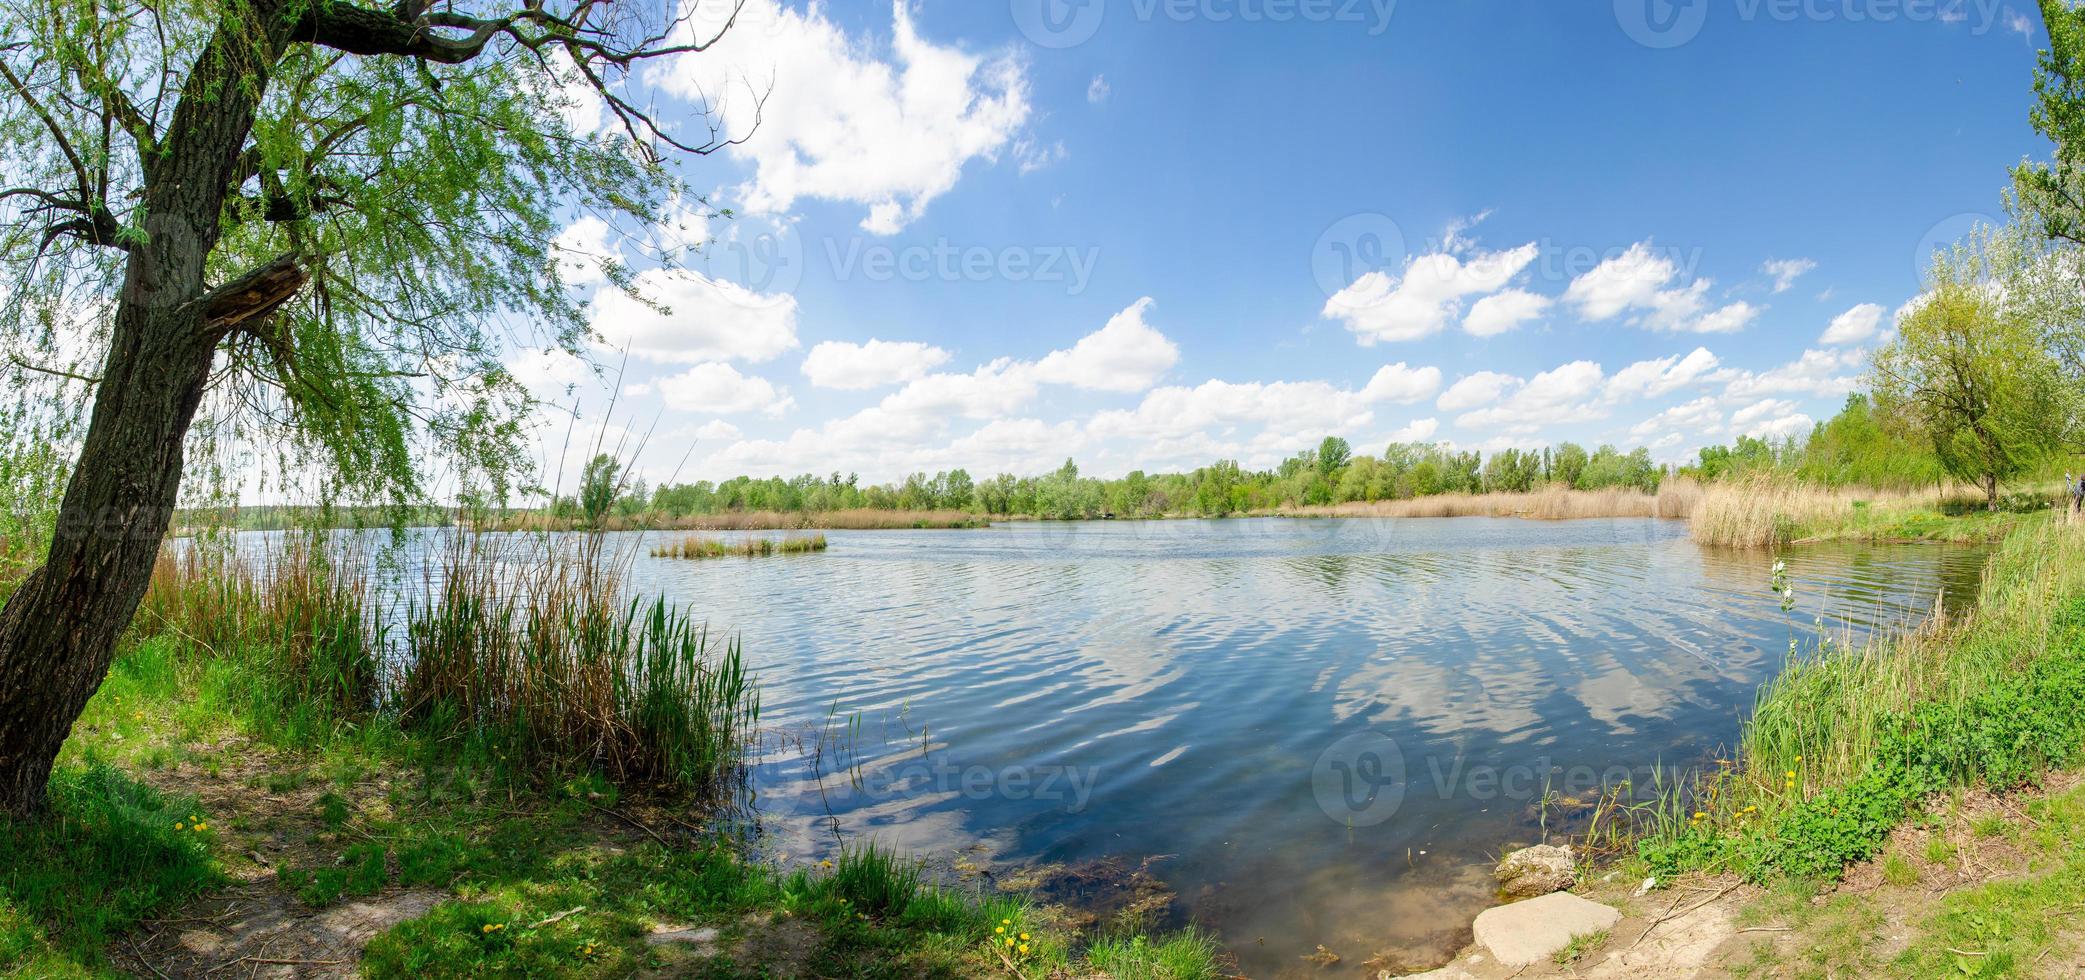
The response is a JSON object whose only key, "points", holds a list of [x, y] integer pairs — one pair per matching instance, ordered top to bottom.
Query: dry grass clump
{"points": [[1675, 499], [1767, 508], [699, 546]]}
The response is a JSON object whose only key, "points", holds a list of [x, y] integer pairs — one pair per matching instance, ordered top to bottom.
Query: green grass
{"points": [[1843, 746], [111, 852], [542, 870], [2009, 927], [1579, 947], [1188, 955]]}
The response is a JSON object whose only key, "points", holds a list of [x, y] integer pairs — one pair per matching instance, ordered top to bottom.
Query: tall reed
{"points": [[1675, 499], [1770, 508], [303, 618], [519, 643], [539, 654]]}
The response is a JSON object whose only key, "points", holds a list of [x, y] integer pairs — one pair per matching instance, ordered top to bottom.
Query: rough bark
{"points": [[59, 630]]}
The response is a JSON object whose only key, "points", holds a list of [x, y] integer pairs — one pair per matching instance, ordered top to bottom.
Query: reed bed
{"points": [[1675, 499], [1767, 509], [700, 546], [303, 617], [523, 647]]}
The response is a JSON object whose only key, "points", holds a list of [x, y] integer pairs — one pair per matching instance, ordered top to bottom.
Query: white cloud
{"points": [[1097, 91], [840, 123], [583, 248], [1786, 271], [1647, 283], [1429, 293], [1499, 313], [703, 320], [1854, 325], [1124, 355], [873, 364], [548, 371], [1816, 372], [1651, 379], [1401, 384], [716, 388], [993, 390], [1470, 391], [1545, 398], [1765, 408], [1287, 409], [1699, 415], [1771, 418], [716, 430], [1417, 430]]}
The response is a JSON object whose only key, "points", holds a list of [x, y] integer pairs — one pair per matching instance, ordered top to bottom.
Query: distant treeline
{"points": [[1860, 446]]}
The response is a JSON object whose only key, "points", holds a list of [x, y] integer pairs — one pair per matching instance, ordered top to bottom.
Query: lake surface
{"points": [[1312, 732]]}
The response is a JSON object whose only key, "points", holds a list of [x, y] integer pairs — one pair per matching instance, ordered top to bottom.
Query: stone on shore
{"points": [[1537, 870], [1529, 932]]}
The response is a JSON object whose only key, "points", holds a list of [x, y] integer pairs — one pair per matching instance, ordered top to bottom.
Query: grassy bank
{"points": [[1768, 509], [699, 546], [1847, 743], [534, 796]]}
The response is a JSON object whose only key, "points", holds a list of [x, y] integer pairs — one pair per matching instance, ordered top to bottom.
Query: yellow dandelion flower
{"points": [[1791, 774], [178, 825], [199, 828], [1006, 922], [999, 929], [1024, 937], [1024, 948]]}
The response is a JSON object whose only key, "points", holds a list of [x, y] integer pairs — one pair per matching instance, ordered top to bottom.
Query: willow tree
{"points": [[326, 217], [1969, 368]]}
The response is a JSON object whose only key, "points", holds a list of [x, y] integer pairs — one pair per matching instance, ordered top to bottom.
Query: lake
{"points": [[1310, 732]]}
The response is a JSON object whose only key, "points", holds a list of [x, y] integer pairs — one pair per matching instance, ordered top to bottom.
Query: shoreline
{"points": [[1721, 909]]}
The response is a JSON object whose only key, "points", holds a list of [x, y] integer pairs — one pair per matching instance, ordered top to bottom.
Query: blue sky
{"points": [[1178, 231]]}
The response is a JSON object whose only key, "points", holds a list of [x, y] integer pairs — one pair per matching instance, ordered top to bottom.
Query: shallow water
{"points": [[1315, 732]]}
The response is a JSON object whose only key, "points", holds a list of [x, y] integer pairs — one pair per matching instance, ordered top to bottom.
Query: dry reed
{"points": [[1675, 499]]}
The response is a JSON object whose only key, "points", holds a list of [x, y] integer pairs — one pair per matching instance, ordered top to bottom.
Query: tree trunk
{"points": [[1991, 494], [59, 630]]}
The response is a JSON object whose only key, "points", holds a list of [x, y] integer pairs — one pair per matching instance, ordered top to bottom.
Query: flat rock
{"points": [[1536, 870], [1532, 931], [694, 937]]}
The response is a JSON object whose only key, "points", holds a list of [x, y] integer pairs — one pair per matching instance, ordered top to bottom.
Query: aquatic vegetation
{"points": [[700, 546], [1848, 741]]}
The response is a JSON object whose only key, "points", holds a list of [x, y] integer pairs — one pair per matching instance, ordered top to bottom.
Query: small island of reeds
{"points": [[702, 546]]}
